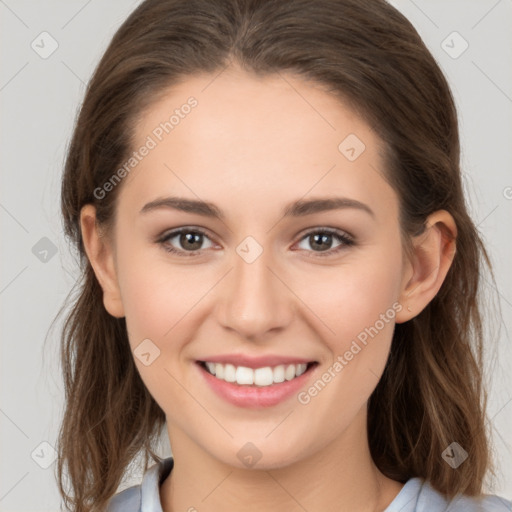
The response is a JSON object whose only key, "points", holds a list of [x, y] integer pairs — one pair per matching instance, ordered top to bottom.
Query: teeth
{"points": [[300, 369], [219, 371], [229, 373], [289, 373], [278, 374], [243, 375], [260, 376], [263, 376]]}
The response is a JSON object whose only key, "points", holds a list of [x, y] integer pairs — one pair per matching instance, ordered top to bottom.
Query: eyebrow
{"points": [[299, 208]]}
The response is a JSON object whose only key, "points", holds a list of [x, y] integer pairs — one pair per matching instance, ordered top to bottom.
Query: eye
{"points": [[191, 241], [321, 241]]}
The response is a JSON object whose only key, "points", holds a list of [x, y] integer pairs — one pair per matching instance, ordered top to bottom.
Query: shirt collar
{"points": [[150, 486]]}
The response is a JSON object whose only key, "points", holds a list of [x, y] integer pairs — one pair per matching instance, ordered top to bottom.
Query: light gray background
{"points": [[39, 98]]}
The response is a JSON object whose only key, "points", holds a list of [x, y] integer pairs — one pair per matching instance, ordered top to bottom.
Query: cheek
{"points": [[156, 294], [358, 295], [159, 302], [359, 303], [151, 307]]}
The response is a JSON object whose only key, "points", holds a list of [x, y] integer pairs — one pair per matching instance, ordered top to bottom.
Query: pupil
{"points": [[189, 238], [323, 239]]}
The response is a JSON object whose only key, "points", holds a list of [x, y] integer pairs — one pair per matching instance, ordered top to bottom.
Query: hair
{"points": [[370, 56]]}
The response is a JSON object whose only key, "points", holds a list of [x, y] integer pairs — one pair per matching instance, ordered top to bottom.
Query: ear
{"points": [[100, 253], [432, 256]]}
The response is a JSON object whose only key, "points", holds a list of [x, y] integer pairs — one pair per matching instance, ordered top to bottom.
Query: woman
{"points": [[278, 267]]}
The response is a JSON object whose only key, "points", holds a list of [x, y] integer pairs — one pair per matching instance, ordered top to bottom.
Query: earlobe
{"points": [[99, 251], [433, 254]]}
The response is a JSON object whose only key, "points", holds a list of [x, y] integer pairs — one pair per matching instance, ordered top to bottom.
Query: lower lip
{"points": [[256, 396]]}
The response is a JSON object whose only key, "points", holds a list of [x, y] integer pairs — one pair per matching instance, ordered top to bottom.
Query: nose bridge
{"points": [[255, 300]]}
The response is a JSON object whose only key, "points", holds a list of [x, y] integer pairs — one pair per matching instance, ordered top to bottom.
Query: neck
{"points": [[341, 473]]}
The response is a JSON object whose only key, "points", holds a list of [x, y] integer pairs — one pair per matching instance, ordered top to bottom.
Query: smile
{"points": [[264, 376]]}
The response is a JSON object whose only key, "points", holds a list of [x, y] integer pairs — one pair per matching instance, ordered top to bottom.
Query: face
{"points": [[267, 276]]}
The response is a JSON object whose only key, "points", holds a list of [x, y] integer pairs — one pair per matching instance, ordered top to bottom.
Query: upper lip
{"points": [[255, 362]]}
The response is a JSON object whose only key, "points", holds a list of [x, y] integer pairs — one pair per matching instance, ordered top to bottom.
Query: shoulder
{"points": [[146, 495], [417, 495], [128, 500], [485, 504]]}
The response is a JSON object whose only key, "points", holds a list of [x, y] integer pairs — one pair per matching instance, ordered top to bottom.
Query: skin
{"points": [[251, 146]]}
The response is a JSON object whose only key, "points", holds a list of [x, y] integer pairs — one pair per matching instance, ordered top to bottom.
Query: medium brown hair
{"points": [[369, 55]]}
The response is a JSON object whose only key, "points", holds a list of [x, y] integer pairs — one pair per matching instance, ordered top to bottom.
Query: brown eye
{"points": [[184, 241], [192, 241], [321, 241]]}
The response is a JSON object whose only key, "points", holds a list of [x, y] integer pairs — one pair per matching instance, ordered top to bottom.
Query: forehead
{"points": [[278, 110], [238, 136]]}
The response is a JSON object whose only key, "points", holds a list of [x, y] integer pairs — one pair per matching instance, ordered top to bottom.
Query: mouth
{"points": [[261, 377]]}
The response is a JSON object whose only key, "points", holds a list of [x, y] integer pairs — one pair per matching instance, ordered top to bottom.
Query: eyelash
{"points": [[346, 241]]}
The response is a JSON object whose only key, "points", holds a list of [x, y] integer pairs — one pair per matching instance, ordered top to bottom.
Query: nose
{"points": [[255, 299]]}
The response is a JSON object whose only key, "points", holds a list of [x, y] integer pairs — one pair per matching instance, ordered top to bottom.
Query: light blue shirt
{"points": [[416, 496]]}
